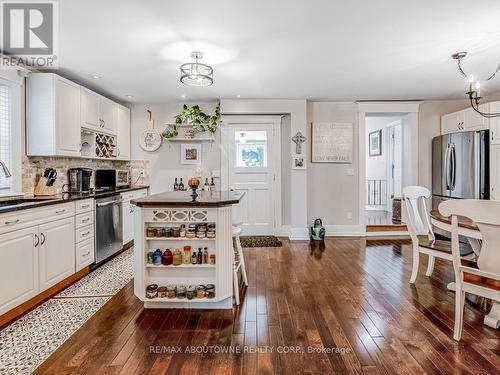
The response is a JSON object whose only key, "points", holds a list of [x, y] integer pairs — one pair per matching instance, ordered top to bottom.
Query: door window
{"points": [[251, 148]]}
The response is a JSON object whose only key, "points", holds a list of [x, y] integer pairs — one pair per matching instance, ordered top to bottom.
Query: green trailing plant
{"points": [[200, 120]]}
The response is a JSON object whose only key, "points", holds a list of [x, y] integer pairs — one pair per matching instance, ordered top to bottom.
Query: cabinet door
{"points": [[90, 108], [108, 113], [68, 117], [473, 120], [450, 123], [495, 123], [123, 133], [495, 172], [128, 222], [57, 251], [18, 267]]}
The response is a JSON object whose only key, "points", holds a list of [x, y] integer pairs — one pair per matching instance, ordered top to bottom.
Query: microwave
{"points": [[112, 179]]}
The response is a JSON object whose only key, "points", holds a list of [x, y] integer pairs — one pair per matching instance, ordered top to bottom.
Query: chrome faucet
{"points": [[5, 169]]}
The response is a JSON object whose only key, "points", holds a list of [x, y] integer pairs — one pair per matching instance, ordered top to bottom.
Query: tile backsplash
{"points": [[33, 168]]}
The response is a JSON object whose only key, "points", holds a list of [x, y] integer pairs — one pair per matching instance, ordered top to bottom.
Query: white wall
{"points": [[165, 163], [376, 166]]}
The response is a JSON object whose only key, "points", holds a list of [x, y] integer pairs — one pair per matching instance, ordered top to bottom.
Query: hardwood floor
{"points": [[352, 295]]}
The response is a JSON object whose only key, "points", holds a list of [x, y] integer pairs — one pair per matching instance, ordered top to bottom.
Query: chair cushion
{"points": [[443, 246], [479, 280]]}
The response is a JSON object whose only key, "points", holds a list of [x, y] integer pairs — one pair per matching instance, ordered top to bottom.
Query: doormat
{"points": [[260, 241]]}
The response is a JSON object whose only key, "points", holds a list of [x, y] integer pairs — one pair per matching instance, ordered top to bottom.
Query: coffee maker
{"points": [[79, 179]]}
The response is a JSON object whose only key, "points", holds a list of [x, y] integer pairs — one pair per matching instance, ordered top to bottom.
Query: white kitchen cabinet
{"points": [[89, 108], [108, 114], [52, 116], [465, 120], [473, 120], [452, 122], [495, 124], [123, 133], [495, 172], [128, 213], [57, 251], [19, 280]]}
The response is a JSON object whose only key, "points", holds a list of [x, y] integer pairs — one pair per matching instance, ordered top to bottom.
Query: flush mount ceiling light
{"points": [[195, 73], [474, 92]]}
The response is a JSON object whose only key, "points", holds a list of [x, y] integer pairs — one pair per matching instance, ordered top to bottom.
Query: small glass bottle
{"points": [[176, 185], [181, 185], [212, 185], [200, 256], [205, 256], [194, 258], [186, 259]]}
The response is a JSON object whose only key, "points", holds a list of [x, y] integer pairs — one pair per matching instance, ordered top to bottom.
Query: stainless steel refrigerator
{"points": [[460, 166]]}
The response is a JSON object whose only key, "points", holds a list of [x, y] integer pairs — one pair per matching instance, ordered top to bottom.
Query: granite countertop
{"points": [[183, 199], [40, 201]]}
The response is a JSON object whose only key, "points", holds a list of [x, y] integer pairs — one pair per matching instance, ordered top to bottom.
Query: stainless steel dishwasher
{"points": [[108, 227]]}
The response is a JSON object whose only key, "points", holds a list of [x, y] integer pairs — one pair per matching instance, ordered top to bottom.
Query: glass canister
{"points": [[183, 230], [150, 232], [168, 232], [176, 232], [190, 234], [150, 257], [157, 257], [167, 258], [177, 261], [152, 291], [171, 291], [181, 291], [190, 291], [200, 291], [210, 291], [162, 292]]}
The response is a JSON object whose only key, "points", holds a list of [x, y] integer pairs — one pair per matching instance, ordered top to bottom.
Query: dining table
{"points": [[467, 228]]}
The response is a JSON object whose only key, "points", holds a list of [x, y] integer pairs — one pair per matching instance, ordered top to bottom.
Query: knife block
{"points": [[41, 188]]}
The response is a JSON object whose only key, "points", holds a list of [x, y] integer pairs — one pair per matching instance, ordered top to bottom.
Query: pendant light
{"points": [[195, 73], [474, 89]]}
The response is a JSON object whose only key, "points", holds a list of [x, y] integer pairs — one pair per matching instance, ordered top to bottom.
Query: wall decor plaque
{"points": [[332, 142]]}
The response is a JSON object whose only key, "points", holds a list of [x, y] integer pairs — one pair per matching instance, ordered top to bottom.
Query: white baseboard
{"points": [[343, 230], [298, 234], [388, 234]]}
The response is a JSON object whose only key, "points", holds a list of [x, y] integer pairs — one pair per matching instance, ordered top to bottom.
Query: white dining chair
{"points": [[421, 233], [481, 278]]}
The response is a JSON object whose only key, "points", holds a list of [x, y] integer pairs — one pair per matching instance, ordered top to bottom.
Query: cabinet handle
{"points": [[118, 154], [85, 206], [60, 211], [85, 220], [12, 222], [85, 234], [43, 238], [37, 240], [86, 255]]}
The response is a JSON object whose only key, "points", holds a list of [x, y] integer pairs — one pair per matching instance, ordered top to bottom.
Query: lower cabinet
{"points": [[128, 213], [57, 251], [19, 279]]}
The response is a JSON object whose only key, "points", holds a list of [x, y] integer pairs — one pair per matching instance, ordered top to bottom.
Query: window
{"points": [[5, 136], [251, 149]]}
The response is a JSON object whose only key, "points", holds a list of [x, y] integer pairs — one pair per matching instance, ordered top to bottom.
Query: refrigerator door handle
{"points": [[453, 159], [447, 166]]}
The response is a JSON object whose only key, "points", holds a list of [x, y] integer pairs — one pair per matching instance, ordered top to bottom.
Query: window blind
{"points": [[5, 135]]}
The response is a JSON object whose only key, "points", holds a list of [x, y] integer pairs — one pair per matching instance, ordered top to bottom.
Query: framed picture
{"points": [[332, 142], [375, 143], [191, 153], [298, 162]]}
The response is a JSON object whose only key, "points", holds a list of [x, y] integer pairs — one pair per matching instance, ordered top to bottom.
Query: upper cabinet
{"points": [[52, 116], [66, 119], [465, 120], [123, 133]]}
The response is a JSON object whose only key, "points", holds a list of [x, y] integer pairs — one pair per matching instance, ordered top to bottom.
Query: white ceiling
{"points": [[316, 49]]}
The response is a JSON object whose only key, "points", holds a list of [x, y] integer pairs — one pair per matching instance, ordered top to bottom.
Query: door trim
{"points": [[228, 120]]}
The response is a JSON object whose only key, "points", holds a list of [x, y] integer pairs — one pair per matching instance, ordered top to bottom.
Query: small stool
{"points": [[239, 264]]}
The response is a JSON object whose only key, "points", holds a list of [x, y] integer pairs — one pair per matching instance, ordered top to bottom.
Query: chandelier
{"points": [[195, 73], [474, 92]]}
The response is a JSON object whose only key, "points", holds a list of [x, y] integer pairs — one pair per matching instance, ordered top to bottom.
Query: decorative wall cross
{"points": [[298, 139]]}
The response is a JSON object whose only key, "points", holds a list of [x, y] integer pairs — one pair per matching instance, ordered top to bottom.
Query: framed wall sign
{"points": [[331, 142], [375, 143], [191, 153], [298, 162]]}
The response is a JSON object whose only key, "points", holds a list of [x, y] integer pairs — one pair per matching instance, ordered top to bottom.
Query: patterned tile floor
{"points": [[34, 337]]}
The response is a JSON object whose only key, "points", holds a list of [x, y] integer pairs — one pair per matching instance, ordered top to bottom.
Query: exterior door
{"points": [[253, 161]]}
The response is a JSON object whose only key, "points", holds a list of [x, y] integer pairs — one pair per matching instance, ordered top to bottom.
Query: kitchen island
{"points": [[183, 252]]}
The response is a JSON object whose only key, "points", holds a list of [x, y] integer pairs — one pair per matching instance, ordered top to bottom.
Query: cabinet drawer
{"points": [[134, 194], [84, 205], [34, 216], [84, 219], [84, 233], [84, 254]]}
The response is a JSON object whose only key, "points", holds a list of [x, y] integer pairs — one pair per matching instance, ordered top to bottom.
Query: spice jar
{"points": [[211, 226], [201, 228], [183, 230], [150, 232], [158, 232], [163, 232], [168, 232], [176, 232], [190, 234], [201, 234], [211, 234], [167, 258], [186, 258], [212, 259], [177, 261], [151, 291], [171, 291], [181, 291], [190, 291], [200, 291], [210, 291], [162, 292]]}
